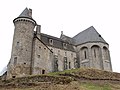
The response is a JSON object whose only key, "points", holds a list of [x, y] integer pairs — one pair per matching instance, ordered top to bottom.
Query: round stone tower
{"points": [[21, 55]]}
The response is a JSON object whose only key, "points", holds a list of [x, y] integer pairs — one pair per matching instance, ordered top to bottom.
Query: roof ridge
{"points": [[83, 31], [51, 36]]}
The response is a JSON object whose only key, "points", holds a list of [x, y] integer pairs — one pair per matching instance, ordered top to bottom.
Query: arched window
{"points": [[95, 51], [84, 53], [105, 53], [96, 56], [106, 59]]}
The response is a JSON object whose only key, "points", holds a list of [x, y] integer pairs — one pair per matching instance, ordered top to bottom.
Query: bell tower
{"points": [[21, 55]]}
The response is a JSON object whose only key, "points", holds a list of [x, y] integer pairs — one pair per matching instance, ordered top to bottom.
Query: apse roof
{"points": [[88, 35]]}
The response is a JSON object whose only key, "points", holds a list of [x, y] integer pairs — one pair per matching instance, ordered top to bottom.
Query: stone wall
{"points": [[61, 54], [94, 55], [42, 58], [50, 59], [20, 61]]}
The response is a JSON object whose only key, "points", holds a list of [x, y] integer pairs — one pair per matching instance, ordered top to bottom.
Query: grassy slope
{"points": [[89, 74], [77, 79]]}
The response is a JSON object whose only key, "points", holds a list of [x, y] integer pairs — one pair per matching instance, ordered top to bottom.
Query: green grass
{"points": [[63, 72], [89, 73], [90, 86]]}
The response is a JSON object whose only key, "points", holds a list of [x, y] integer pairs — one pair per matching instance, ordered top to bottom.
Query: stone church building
{"points": [[36, 53]]}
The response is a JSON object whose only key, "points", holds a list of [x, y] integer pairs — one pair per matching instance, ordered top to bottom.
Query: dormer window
{"points": [[50, 41], [64, 45]]}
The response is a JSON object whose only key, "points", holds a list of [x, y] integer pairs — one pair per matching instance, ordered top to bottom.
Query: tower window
{"points": [[17, 43], [38, 56], [15, 60]]}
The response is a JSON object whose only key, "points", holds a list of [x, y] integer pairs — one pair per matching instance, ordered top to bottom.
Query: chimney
{"points": [[30, 12], [38, 29], [61, 32]]}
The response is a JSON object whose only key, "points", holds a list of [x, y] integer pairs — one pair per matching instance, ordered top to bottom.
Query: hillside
{"points": [[76, 79]]}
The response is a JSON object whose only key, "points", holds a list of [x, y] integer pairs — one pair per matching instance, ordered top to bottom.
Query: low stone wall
{"points": [[35, 80]]}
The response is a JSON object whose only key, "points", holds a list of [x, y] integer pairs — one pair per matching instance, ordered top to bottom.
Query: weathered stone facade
{"points": [[36, 53]]}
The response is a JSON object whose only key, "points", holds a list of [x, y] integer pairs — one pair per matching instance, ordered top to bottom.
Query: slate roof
{"points": [[25, 13], [88, 35], [67, 39], [57, 42]]}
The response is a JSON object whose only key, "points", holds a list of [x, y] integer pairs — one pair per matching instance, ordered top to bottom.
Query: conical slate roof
{"points": [[25, 13], [88, 35]]}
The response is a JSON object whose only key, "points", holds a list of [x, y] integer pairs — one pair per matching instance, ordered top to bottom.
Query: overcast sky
{"points": [[69, 16]]}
